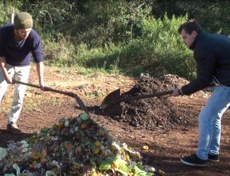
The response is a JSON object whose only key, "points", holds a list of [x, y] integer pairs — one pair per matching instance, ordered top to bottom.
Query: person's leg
{"points": [[21, 74], [3, 84], [210, 122], [210, 127], [214, 146]]}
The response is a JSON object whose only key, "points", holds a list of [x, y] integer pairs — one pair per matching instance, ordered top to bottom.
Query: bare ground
{"points": [[167, 143]]}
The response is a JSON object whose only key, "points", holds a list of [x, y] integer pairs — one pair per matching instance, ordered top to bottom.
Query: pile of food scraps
{"points": [[73, 146]]}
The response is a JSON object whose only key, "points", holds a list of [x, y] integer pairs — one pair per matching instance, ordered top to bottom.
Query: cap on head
{"points": [[23, 20]]}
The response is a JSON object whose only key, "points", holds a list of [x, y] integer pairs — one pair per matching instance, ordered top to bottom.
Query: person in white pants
{"points": [[18, 42]]}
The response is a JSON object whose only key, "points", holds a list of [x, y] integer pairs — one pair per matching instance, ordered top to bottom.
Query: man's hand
{"points": [[9, 79], [43, 85], [176, 92]]}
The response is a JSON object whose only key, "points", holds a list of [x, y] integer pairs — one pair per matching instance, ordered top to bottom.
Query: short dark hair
{"points": [[189, 26]]}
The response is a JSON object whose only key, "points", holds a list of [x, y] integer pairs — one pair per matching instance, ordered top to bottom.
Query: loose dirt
{"points": [[168, 125]]}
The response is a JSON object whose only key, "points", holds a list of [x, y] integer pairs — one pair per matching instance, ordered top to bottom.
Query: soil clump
{"points": [[152, 113]]}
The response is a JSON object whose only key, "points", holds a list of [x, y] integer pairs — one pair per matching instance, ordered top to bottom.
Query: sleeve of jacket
{"points": [[1, 45], [37, 50], [205, 69]]}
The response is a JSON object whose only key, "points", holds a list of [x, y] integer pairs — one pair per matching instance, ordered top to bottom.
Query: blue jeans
{"points": [[210, 122]]}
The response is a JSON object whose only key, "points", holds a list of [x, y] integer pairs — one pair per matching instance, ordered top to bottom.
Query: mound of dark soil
{"points": [[157, 112]]}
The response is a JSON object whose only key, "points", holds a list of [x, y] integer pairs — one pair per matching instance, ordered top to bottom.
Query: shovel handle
{"points": [[27, 84], [45, 88], [123, 99], [80, 102]]}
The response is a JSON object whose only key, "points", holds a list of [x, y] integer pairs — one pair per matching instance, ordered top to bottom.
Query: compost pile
{"points": [[157, 112], [74, 146]]}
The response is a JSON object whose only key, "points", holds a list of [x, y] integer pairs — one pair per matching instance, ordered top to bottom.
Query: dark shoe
{"points": [[13, 128], [213, 158], [194, 160]]}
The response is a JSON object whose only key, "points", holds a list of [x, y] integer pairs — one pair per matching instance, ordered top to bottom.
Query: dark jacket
{"points": [[19, 53], [212, 55]]}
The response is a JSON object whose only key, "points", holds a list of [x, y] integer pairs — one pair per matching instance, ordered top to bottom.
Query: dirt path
{"points": [[43, 109]]}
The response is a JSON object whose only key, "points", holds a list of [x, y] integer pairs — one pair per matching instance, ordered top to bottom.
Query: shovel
{"points": [[70, 94], [113, 100]]}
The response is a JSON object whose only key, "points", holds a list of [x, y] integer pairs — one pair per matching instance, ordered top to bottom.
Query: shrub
{"points": [[159, 50]]}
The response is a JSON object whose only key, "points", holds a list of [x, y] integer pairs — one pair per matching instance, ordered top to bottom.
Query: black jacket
{"points": [[212, 55]]}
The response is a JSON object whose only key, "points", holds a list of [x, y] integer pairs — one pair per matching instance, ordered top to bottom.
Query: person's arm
{"points": [[37, 53], [40, 72], [8, 79]]}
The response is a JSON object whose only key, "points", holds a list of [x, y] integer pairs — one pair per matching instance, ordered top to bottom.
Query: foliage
{"points": [[8, 8], [211, 13], [52, 16], [107, 21], [127, 37], [155, 51], [170, 52], [61, 53]]}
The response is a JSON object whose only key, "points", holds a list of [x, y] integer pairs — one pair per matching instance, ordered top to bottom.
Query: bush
{"points": [[126, 36], [168, 48], [159, 50], [59, 51]]}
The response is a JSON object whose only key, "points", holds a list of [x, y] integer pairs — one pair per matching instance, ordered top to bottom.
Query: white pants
{"points": [[20, 73]]}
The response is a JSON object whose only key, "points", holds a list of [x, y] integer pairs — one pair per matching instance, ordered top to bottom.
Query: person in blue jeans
{"points": [[18, 43], [212, 56]]}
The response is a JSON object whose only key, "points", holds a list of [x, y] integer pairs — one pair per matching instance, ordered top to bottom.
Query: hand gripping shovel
{"points": [[70, 94], [111, 103]]}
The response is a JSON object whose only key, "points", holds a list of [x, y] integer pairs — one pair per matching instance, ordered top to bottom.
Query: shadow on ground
{"points": [[7, 136]]}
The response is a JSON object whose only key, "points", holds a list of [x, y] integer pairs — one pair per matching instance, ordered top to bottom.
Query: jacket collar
{"points": [[192, 46]]}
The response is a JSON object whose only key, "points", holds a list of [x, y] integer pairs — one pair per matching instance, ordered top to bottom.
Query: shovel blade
{"points": [[110, 98], [111, 103], [110, 106]]}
